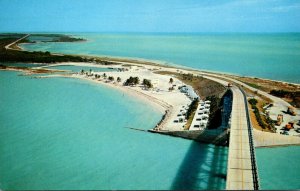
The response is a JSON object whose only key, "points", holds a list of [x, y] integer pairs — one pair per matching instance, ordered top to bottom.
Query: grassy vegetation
{"points": [[8, 55], [253, 85], [288, 91], [293, 96], [253, 103], [190, 113], [264, 122]]}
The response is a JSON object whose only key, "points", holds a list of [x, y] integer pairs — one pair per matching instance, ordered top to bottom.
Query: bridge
{"points": [[242, 173]]}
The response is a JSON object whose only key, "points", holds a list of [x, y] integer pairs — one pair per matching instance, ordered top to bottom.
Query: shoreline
{"points": [[143, 61], [162, 63], [158, 104], [160, 107]]}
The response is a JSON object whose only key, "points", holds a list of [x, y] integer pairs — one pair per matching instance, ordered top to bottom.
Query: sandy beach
{"points": [[160, 97], [168, 103]]}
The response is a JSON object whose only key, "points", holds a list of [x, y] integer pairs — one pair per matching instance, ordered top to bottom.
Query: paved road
{"points": [[8, 46], [277, 101], [240, 165]]}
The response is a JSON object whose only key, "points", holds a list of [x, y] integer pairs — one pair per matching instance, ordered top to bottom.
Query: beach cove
{"points": [[88, 140]]}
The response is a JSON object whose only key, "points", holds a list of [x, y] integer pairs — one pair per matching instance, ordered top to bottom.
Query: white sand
{"points": [[163, 100]]}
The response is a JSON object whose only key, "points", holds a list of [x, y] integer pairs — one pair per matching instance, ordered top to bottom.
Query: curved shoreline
{"points": [[139, 60], [151, 63], [161, 106]]}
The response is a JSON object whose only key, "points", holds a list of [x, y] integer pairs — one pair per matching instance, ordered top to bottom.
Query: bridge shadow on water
{"points": [[203, 167]]}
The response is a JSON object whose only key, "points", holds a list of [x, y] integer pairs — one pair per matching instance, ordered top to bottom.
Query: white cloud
{"points": [[287, 8]]}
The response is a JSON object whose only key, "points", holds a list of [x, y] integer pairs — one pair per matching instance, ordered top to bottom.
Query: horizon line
{"points": [[141, 32]]}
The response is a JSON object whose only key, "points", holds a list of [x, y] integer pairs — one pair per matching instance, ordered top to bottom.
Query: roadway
{"points": [[8, 46], [241, 166]]}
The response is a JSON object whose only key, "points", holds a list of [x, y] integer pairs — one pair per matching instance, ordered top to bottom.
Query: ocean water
{"points": [[272, 56], [18, 64], [79, 68], [59, 133], [279, 168]]}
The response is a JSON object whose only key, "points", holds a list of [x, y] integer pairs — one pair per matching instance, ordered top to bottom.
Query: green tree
{"points": [[104, 76], [111, 78], [118, 79], [132, 81], [171, 81], [147, 83], [252, 101]]}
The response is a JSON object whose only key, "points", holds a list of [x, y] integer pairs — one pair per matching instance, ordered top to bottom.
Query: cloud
{"points": [[286, 8]]}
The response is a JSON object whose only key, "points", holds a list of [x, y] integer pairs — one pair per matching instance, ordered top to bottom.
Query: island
{"points": [[195, 104]]}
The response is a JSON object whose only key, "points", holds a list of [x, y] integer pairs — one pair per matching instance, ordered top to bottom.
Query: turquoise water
{"points": [[33, 38], [272, 56], [17, 64], [79, 68], [58, 133], [279, 168]]}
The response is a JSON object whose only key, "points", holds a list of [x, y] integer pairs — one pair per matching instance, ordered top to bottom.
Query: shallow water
{"points": [[273, 56], [18, 64], [79, 68], [59, 133], [279, 168]]}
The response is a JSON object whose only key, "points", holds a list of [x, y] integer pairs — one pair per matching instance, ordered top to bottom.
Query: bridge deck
{"points": [[240, 167]]}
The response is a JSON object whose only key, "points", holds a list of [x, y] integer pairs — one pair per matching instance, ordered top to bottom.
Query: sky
{"points": [[150, 16]]}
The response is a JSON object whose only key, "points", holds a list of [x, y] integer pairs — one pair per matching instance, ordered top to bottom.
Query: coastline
{"points": [[143, 61], [159, 63], [152, 64], [159, 105]]}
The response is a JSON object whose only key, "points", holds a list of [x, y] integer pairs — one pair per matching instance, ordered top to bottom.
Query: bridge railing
{"points": [[252, 148]]}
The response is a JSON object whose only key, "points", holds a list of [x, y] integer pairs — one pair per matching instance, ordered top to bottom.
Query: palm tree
{"points": [[111, 78], [118, 79]]}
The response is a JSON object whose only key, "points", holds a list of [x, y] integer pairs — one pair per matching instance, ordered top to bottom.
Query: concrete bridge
{"points": [[241, 168], [242, 173]]}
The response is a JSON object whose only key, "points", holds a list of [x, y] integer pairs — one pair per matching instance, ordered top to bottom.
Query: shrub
{"points": [[132, 81], [147, 83]]}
